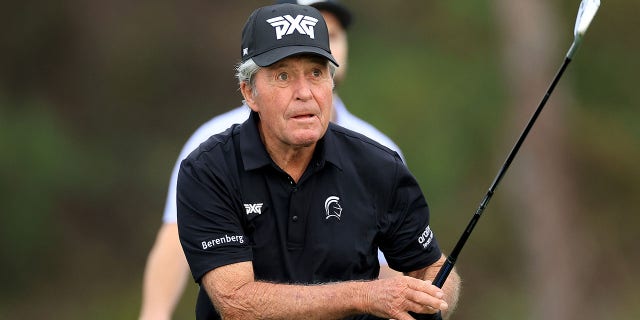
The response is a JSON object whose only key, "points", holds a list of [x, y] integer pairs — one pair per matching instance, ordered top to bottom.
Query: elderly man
{"points": [[281, 217], [166, 270]]}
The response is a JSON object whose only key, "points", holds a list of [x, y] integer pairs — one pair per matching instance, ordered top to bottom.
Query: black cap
{"points": [[335, 7], [275, 32]]}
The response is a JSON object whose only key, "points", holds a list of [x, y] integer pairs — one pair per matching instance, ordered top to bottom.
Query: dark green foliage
{"points": [[96, 99]]}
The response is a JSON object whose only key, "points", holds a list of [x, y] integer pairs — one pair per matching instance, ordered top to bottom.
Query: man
{"points": [[281, 217], [166, 271]]}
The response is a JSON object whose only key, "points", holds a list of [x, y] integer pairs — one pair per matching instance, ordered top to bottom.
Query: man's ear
{"points": [[247, 94]]}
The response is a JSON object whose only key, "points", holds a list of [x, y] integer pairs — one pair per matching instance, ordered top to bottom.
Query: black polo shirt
{"points": [[235, 204]]}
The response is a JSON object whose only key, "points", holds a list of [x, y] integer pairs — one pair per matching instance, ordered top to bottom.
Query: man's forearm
{"points": [[236, 295], [262, 300]]}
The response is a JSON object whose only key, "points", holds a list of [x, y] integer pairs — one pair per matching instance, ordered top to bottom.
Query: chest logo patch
{"points": [[332, 207], [253, 208]]}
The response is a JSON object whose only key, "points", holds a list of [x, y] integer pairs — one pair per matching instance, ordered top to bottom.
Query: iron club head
{"points": [[586, 12]]}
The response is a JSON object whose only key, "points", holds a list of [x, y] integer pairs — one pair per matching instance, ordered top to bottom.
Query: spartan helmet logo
{"points": [[332, 207]]}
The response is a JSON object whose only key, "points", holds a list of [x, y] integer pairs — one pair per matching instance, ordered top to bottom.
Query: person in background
{"points": [[282, 216], [166, 270]]}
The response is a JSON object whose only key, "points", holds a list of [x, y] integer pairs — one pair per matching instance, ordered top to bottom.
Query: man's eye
{"points": [[317, 73], [283, 76]]}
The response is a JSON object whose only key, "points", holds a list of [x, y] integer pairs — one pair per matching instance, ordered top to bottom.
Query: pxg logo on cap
{"points": [[288, 25], [275, 32]]}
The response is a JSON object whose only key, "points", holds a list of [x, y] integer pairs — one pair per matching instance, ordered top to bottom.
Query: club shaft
{"points": [[445, 270]]}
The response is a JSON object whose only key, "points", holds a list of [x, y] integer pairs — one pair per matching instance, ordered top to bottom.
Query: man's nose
{"points": [[303, 89]]}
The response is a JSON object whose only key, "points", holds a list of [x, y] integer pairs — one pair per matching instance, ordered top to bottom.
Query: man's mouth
{"points": [[304, 116]]}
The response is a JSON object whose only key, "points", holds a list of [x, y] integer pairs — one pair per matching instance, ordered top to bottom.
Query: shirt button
{"points": [[295, 189], [294, 218]]}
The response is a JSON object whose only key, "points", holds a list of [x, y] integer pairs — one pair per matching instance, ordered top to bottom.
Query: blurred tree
{"points": [[97, 97], [542, 196]]}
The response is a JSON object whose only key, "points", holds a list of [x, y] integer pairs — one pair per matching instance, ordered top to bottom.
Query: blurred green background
{"points": [[97, 98]]}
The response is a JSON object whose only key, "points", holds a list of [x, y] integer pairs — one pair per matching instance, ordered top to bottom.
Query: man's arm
{"points": [[387, 272], [165, 275], [451, 287], [236, 295]]}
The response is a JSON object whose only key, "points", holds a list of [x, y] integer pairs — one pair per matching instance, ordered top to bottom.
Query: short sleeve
{"points": [[209, 226], [408, 242]]}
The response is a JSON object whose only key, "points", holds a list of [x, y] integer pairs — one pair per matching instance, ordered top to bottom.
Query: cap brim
{"points": [[272, 56]]}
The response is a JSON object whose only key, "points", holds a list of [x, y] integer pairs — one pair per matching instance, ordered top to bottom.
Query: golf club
{"points": [[586, 12]]}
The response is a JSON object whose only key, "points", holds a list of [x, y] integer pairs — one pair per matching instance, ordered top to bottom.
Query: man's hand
{"points": [[395, 297]]}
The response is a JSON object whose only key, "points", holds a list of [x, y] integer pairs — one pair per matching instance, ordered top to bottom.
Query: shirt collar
{"points": [[329, 150], [255, 155]]}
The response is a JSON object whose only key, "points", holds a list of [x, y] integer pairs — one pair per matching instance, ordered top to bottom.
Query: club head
{"points": [[586, 12]]}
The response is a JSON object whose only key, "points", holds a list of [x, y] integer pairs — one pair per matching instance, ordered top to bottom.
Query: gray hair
{"points": [[246, 71]]}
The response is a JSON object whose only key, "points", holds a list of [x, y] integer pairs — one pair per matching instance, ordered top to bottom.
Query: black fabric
{"points": [[275, 32], [235, 205], [204, 307]]}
